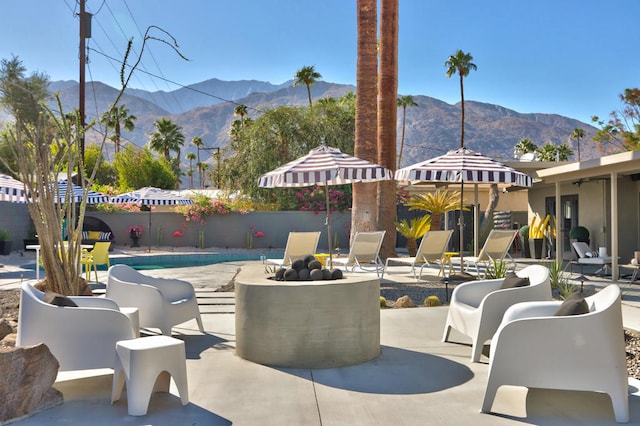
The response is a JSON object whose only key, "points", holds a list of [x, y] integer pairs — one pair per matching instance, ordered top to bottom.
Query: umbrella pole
{"points": [[461, 222], [328, 223], [149, 250]]}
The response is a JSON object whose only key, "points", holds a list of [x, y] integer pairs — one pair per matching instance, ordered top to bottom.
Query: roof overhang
{"points": [[624, 163]]}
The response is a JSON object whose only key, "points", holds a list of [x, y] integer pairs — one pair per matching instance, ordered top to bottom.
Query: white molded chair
{"points": [[299, 245], [432, 248], [495, 248], [364, 252], [162, 302], [477, 307], [81, 338], [534, 348]]}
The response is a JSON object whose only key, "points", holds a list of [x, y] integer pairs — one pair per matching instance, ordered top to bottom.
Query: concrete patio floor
{"points": [[416, 380]]}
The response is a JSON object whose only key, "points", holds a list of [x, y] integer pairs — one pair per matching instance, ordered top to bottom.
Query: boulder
{"points": [[405, 302], [5, 328], [26, 386]]}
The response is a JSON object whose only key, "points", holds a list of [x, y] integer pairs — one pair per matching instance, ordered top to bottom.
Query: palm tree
{"points": [[461, 63], [307, 75], [404, 102], [241, 111], [116, 118], [388, 122], [577, 134], [167, 137], [197, 141], [525, 146], [551, 152], [190, 156], [202, 167], [364, 194], [436, 203], [412, 230]]}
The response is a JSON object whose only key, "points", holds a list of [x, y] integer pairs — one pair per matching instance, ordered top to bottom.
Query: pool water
{"points": [[165, 261]]}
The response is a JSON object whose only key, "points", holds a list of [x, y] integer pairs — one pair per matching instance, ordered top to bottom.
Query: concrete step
{"points": [[217, 309]]}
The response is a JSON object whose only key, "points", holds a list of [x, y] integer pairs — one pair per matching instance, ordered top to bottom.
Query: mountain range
{"points": [[432, 128]]}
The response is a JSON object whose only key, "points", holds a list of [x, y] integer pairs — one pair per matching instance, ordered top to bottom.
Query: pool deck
{"points": [[416, 380]]}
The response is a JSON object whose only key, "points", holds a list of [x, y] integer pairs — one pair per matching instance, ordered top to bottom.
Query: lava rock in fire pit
{"points": [[308, 268]]}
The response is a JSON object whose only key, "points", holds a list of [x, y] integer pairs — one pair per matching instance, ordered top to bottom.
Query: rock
{"points": [[404, 302], [5, 328], [9, 341], [26, 386]]}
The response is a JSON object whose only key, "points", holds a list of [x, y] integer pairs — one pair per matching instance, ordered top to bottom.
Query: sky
{"points": [[567, 57]]}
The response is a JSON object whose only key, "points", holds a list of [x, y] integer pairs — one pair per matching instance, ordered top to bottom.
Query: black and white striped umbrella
{"points": [[326, 166], [463, 166], [11, 190], [150, 196], [93, 197]]}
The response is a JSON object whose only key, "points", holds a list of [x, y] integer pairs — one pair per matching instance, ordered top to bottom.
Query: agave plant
{"points": [[436, 203], [413, 230]]}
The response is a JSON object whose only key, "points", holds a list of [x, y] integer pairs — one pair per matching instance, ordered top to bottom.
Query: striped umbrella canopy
{"points": [[326, 166], [463, 166], [11, 189], [150, 196], [93, 197]]}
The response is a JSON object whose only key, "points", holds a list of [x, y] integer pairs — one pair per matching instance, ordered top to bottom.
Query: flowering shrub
{"points": [[402, 196], [314, 200], [203, 206], [135, 231]]}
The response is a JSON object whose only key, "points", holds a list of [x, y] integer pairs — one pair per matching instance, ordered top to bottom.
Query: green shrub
{"points": [[524, 232], [579, 233], [4, 235], [432, 301], [383, 302]]}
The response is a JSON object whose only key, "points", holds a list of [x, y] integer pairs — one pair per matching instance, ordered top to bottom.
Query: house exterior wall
{"points": [[594, 211]]}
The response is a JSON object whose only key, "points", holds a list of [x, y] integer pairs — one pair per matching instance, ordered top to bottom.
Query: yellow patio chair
{"points": [[98, 256]]}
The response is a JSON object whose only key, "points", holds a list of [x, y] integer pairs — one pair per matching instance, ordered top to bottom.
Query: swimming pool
{"points": [[165, 261]]}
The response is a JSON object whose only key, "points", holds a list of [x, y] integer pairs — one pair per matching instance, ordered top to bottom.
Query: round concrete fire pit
{"points": [[306, 324]]}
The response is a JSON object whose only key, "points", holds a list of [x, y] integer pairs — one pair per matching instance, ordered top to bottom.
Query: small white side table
{"points": [[139, 362]]}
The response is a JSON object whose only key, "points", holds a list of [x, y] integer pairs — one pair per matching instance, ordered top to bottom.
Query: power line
{"points": [[181, 85]]}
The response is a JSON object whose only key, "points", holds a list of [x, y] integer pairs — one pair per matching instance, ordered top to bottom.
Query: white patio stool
{"points": [[140, 362]]}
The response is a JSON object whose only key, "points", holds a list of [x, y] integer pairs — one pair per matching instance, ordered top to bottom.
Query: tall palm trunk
{"points": [[309, 95], [462, 107], [404, 121], [387, 122], [363, 216]]}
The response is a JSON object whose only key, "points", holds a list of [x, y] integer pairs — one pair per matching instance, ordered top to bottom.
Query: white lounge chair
{"points": [[299, 245], [495, 248], [431, 250], [364, 252], [586, 256], [162, 302], [477, 307], [81, 338], [586, 352]]}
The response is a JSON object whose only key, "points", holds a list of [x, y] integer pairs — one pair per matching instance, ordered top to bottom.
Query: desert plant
{"points": [[435, 203], [413, 230], [524, 232], [4, 235], [497, 269], [556, 274], [565, 288], [432, 301], [383, 302]]}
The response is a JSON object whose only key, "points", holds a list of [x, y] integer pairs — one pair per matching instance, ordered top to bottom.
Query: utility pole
{"points": [[85, 32]]}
